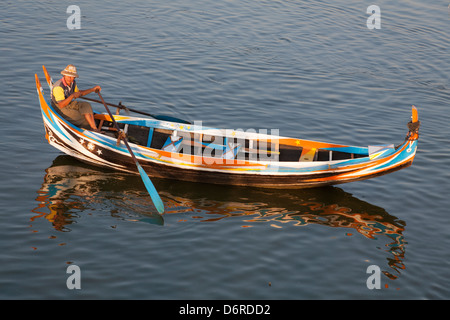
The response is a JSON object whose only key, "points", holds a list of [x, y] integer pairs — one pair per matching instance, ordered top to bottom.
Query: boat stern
{"points": [[414, 125], [408, 149]]}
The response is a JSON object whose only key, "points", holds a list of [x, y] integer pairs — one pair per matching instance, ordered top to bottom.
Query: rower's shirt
{"points": [[62, 91]]}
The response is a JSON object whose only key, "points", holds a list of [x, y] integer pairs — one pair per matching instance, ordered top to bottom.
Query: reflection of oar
{"points": [[157, 117], [147, 182]]}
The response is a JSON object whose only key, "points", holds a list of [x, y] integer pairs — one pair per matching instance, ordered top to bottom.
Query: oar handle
{"points": [[107, 103], [157, 117]]}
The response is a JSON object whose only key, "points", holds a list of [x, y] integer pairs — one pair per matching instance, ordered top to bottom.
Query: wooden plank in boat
{"points": [[308, 154]]}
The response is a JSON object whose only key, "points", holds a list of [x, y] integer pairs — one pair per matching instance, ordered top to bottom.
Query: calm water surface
{"points": [[311, 69]]}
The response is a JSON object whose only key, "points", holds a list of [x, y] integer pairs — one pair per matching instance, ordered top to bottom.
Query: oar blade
{"points": [[159, 205]]}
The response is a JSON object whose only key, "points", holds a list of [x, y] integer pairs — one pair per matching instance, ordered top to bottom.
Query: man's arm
{"points": [[87, 91], [75, 95]]}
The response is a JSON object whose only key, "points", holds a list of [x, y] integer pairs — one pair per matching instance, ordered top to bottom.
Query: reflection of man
{"points": [[64, 93]]}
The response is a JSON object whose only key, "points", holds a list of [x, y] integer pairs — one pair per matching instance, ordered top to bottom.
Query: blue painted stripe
{"points": [[53, 121], [150, 137], [356, 150], [402, 156]]}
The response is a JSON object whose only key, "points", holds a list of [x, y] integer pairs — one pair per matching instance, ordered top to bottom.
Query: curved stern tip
{"points": [[415, 114]]}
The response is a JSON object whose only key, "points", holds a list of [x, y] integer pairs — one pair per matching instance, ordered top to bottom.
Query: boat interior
{"points": [[227, 147]]}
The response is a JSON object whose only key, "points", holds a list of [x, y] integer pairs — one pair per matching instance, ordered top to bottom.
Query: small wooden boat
{"points": [[191, 152]]}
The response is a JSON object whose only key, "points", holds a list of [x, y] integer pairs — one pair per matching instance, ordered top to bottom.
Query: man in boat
{"points": [[64, 93]]}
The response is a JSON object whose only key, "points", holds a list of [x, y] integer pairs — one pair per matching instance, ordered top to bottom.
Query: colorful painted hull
{"points": [[194, 153]]}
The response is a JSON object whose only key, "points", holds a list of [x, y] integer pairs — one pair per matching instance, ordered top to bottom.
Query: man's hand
{"points": [[82, 93]]}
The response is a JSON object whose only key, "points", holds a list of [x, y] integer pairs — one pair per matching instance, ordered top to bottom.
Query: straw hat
{"points": [[70, 71]]}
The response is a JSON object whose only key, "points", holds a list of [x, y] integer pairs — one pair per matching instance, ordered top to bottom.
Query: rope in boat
{"points": [[414, 127], [120, 135]]}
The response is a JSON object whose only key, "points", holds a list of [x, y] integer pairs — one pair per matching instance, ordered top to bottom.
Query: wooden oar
{"points": [[157, 117], [147, 182]]}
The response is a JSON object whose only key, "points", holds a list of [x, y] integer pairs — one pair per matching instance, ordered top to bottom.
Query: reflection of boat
{"points": [[194, 153], [71, 187]]}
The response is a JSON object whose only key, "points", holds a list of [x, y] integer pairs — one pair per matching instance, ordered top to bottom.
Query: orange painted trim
{"points": [[415, 114], [308, 144], [200, 161], [365, 166]]}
